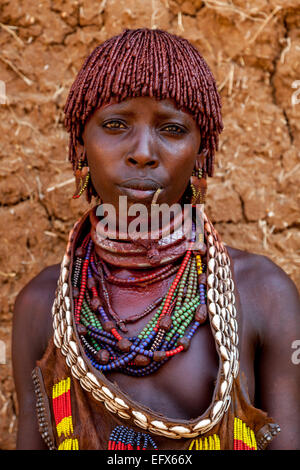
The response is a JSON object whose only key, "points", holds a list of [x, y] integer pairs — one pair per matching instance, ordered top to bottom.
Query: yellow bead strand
{"points": [[244, 434], [206, 443], [69, 444]]}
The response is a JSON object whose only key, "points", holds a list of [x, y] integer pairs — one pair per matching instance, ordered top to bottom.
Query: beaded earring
{"points": [[82, 176], [198, 182]]}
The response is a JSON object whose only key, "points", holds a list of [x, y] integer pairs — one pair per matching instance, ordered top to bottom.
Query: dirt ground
{"points": [[253, 49]]}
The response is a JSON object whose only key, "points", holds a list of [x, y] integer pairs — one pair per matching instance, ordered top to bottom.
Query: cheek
{"points": [[100, 161], [181, 166], [100, 173], [180, 173]]}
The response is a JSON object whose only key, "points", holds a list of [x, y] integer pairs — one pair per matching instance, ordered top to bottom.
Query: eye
{"points": [[114, 125], [174, 129]]}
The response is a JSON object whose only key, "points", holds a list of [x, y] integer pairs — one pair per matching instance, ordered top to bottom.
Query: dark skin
{"points": [[152, 139]]}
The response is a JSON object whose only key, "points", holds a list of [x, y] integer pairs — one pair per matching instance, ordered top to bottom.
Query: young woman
{"points": [[149, 343]]}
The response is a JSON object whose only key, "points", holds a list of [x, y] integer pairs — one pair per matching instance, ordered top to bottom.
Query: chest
{"points": [[183, 386]]}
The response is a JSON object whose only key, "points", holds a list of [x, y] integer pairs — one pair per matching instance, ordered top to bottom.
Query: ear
{"points": [[80, 152], [200, 159]]}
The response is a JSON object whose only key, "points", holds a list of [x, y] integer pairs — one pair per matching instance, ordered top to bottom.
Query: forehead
{"points": [[166, 107]]}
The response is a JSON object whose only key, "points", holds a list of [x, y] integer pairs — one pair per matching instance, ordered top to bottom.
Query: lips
{"points": [[141, 184], [138, 189]]}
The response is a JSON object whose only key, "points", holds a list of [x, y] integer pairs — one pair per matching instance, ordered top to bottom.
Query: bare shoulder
{"points": [[261, 273], [267, 292], [33, 305]]}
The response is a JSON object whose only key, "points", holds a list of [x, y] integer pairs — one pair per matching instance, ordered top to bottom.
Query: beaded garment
{"points": [[98, 405]]}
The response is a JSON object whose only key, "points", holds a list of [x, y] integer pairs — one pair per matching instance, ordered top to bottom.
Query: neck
{"points": [[148, 250]]}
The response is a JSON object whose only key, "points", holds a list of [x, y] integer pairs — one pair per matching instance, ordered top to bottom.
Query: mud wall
{"points": [[253, 49]]}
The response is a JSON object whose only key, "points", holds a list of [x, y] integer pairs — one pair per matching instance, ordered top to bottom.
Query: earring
{"points": [[82, 176], [198, 183]]}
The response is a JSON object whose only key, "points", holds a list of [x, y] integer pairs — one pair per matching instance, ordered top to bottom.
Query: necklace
{"points": [[159, 275], [222, 318], [167, 333]]}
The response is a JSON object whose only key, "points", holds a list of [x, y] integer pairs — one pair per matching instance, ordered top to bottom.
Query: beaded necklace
{"points": [[221, 311], [170, 330]]}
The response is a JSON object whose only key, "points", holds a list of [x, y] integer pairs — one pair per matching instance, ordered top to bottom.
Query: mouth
{"points": [[138, 189]]}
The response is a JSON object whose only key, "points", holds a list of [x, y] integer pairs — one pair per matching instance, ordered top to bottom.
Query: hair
{"points": [[146, 62]]}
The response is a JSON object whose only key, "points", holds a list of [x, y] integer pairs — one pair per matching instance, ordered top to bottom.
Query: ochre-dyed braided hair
{"points": [[146, 62]]}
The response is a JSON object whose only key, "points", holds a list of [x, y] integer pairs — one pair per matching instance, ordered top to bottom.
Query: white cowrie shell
{"points": [[210, 239], [212, 251], [220, 260], [66, 261], [213, 266], [221, 273], [212, 281], [65, 289], [213, 295], [221, 300], [67, 303], [212, 308], [68, 317], [216, 322], [234, 324], [68, 335], [219, 337], [57, 339], [74, 348], [224, 353], [81, 365], [226, 369], [236, 369], [93, 379], [223, 388], [107, 392], [121, 402], [227, 403], [217, 407], [140, 416], [202, 424], [159, 425], [180, 430]]}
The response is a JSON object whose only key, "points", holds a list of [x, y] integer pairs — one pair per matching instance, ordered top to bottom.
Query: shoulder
{"points": [[260, 272], [39, 290], [267, 292], [32, 311]]}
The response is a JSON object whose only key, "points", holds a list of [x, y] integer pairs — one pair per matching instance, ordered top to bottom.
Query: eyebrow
{"points": [[121, 109]]}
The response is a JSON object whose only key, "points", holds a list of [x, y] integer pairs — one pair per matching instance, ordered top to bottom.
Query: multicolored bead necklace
{"points": [[169, 332]]}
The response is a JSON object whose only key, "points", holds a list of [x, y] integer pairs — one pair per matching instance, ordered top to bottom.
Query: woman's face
{"points": [[139, 145]]}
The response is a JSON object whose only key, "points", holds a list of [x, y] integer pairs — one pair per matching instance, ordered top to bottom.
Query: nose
{"points": [[141, 154]]}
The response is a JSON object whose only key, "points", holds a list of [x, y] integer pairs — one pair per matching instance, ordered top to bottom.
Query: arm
{"points": [[31, 331], [277, 377]]}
